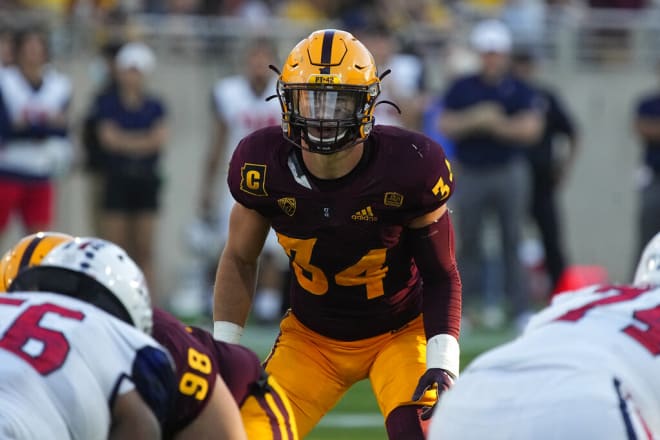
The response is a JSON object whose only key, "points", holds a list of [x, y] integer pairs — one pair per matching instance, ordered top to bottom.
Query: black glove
{"points": [[433, 377]]}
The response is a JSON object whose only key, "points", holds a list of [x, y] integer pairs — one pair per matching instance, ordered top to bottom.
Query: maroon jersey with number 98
{"points": [[199, 359]]}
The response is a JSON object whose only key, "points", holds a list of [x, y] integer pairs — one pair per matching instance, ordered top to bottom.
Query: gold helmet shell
{"points": [[327, 89], [28, 252]]}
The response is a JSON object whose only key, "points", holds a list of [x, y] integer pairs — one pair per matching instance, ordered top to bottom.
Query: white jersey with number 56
{"points": [[62, 363]]}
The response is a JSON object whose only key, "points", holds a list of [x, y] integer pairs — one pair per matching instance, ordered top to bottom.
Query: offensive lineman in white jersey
{"points": [[69, 367], [586, 367]]}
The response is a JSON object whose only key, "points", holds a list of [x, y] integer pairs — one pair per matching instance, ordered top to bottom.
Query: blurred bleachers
{"points": [[599, 60]]}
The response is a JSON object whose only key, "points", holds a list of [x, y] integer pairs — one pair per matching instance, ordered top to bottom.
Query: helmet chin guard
{"points": [[328, 89]]}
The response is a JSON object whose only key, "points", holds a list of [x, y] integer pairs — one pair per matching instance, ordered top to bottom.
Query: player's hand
{"points": [[433, 377]]}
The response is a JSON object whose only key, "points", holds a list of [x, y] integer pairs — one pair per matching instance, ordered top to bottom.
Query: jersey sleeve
{"points": [[249, 169], [431, 181], [132, 360], [153, 375]]}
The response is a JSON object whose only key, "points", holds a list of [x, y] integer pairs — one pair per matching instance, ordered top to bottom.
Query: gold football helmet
{"points": [[327, 89], [28, 252]]}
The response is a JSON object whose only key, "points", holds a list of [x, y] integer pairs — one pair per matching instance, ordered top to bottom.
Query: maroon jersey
{"points": [[354, 276], [199, 359]]}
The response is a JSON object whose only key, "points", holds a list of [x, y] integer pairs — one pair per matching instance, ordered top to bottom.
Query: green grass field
{"points": [[356, 416]]}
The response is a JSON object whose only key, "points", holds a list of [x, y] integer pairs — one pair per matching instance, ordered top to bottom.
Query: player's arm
{"points": [[432, 240], [433, 251], [237, 272], [132, 418], [220, 419]]}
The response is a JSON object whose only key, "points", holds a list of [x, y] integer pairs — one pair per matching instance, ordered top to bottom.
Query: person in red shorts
{"points": [[34, 133]]}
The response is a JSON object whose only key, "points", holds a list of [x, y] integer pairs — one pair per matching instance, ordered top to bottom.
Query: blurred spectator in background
{"points": [[307, 10], [400, 16], [526, 19], [612, 31], [457, 61], [104, 75], [404, 84], [240, 106], [492, 118], [34, 128], [647, 128], [132, 130], [551, 160]]}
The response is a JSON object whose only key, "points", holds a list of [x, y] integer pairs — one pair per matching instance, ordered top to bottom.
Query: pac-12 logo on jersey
{"points": [[253, 179], [393, 199], [288, 205]]}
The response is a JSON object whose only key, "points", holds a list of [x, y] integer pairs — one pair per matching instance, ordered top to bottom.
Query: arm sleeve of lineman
{"points": [[153, 375]]}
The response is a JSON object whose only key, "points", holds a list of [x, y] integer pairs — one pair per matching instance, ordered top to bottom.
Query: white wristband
{"points": [[226, 331], [442, 351]]}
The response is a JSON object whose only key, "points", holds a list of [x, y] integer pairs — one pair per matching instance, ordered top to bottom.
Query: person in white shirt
{"points": [[242, 104], [34, 132], [585, 367]]}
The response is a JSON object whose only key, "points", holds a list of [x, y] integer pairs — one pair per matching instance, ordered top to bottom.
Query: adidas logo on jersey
{"points": [[365, 214]]}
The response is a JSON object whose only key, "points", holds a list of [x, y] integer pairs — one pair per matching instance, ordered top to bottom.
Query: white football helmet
{"points": [[107, 268], [648, 268]]}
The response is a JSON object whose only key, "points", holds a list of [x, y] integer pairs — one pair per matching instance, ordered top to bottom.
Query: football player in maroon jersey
{"points": [[360, 210], [265, 410]]}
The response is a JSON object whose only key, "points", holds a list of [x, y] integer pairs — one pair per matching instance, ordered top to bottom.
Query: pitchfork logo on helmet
{"points": [[327, 89]]}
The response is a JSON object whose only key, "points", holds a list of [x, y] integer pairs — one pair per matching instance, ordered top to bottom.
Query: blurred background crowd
{"points": [[147, 100]]}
